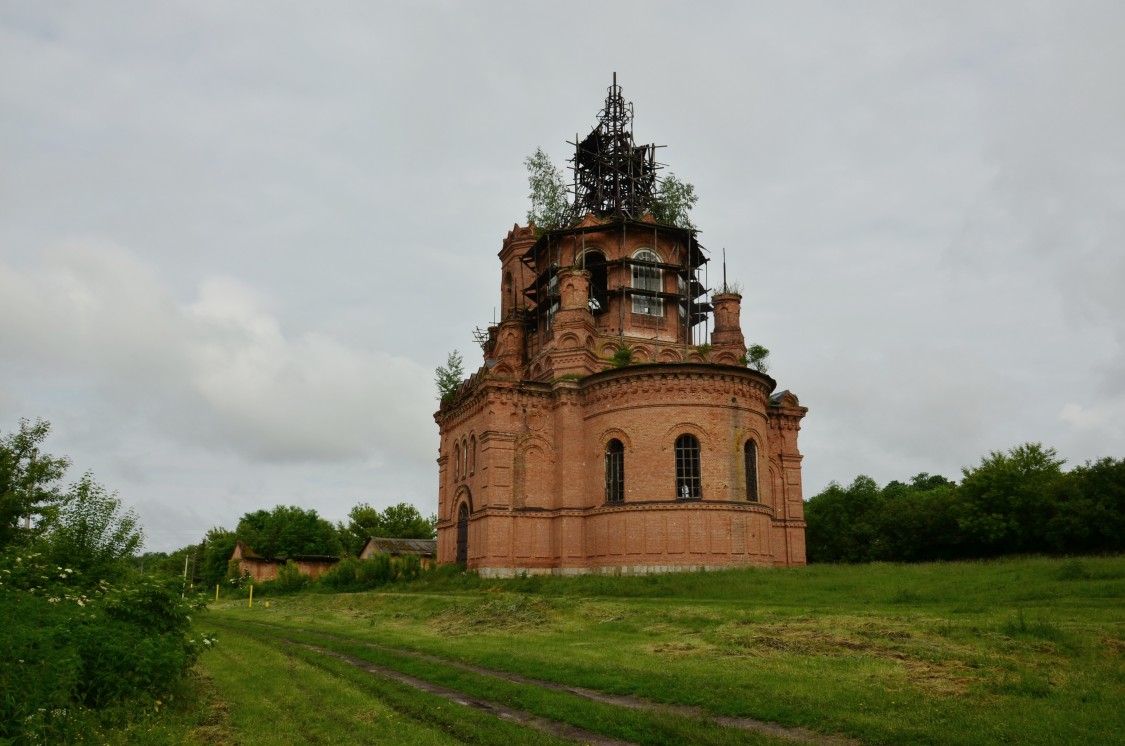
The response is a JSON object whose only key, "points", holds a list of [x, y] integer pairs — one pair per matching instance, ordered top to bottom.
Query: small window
{"points": [[647, 276], [681, 288], [750, 452], [472, 455], [464, 458], [456, 461], [614, 472], [688, 479]]}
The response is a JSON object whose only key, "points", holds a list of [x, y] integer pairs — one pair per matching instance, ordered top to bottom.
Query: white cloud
{"points": [[219, 371]]}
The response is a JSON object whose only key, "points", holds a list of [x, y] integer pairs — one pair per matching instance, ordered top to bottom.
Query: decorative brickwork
{"points": [[607, 430]]}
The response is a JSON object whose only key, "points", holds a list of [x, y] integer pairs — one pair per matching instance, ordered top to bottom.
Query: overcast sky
{"points": [[237, 238]]}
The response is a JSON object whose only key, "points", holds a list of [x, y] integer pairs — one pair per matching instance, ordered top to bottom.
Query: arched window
{"points": [[594, 263], [647, 276], [509, 291], [750, 454], [472, 455], [464, 458], [456, 461], [614, 472], [688, 480], [463, 532]]}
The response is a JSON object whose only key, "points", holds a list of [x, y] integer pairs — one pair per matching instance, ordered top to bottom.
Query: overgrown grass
{"points": [[1010, 651], [283, 694]]}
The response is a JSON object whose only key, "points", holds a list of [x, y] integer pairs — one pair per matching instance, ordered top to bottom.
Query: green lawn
{"points": [[1022, 651]]}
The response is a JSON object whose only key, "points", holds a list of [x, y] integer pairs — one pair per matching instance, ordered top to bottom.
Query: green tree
{"points": [[673, 202], [550, 208], [758, 358], [449, 377], [30, 492], [1005, 501], [1088, 509], [402, 521], [843, 522], [918, 522], [288, 530], [92, 533], [217, 547]]}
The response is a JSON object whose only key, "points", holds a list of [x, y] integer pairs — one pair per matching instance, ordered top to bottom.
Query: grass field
{"points": [[1025, 651]]}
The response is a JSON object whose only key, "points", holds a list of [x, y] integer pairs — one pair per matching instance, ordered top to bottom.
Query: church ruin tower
{"points": [[609, 429]]}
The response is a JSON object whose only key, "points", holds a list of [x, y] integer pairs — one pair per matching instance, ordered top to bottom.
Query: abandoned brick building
{"points": [[610, 428]]}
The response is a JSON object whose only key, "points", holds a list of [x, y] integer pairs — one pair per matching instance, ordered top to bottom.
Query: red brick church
{"points": [[611, 428]]}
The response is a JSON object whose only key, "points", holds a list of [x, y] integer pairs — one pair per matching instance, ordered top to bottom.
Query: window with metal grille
{"points": [[647, 276], [750, 451], [614, 472], [688, 480]]}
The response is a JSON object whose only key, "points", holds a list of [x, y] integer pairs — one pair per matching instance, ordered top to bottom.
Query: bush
{"points": [[409, 567], [361, 575], [290, 579], [71, 646]]}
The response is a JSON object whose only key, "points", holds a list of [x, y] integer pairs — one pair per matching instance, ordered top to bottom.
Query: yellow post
{"points": [[216, 592], [251, 604]]}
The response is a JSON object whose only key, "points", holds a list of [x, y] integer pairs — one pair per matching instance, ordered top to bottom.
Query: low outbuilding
{"points": [[425, 549]]}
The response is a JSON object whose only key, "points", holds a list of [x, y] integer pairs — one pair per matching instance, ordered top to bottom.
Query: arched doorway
{"points": [[463, 533]]}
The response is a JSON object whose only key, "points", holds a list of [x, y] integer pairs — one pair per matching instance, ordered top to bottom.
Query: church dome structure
{"points": [[614, 425]]}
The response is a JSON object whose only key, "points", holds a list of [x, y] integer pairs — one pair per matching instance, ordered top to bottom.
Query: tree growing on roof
{"points": [[673, 202], [550, 207], [449, 377]]}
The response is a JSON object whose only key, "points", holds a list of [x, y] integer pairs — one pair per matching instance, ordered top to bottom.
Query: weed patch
{"points": [[494, 614]]}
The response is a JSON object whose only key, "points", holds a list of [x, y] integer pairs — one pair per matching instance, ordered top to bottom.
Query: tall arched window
{"points": [[594, 263], [647, 276], [509, 291], [750, 454], [472, 455], [464, 458], [456, 461], [614, 472], [689, 483], [463, 532]]}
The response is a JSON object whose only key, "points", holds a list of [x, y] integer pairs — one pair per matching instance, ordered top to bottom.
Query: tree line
{"points": [[1020, 501], [289, 531]]}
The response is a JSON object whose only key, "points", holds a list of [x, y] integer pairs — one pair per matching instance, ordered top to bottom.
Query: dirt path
{"points": [[628, 701], [553, 727]]}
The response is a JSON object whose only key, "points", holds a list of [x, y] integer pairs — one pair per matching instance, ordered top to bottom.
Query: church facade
{"points": [[611, 428]]}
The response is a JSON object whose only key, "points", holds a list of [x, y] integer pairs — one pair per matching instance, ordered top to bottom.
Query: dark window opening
{"points": [[594, 261], [750, 451], [614, 472], [463, 533]]}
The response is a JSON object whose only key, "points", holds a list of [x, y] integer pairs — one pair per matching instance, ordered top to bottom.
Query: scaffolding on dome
{"points": [[613, 176]]}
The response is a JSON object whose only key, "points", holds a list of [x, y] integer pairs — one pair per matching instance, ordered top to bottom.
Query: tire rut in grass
{"points": [[627, 701], [553, 727]]}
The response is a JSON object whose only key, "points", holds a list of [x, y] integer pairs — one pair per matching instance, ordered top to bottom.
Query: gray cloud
{"points": [[235, 240]]}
